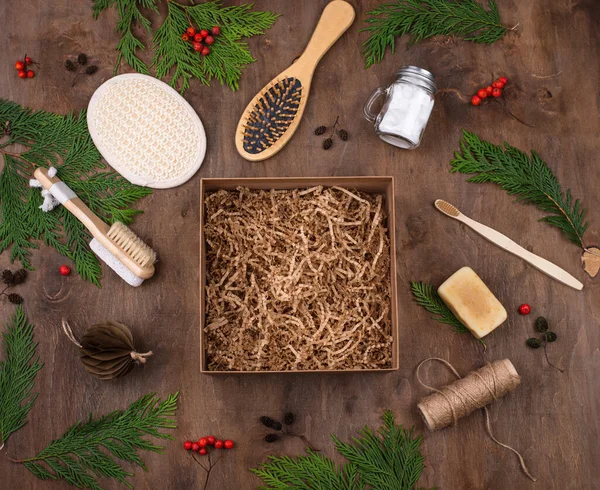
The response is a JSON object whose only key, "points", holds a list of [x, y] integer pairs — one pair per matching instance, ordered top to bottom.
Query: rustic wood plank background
{"points": [[552, 60]]}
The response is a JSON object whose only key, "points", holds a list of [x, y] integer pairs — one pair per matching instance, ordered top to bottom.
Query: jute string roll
{"points": [[476, 390]]}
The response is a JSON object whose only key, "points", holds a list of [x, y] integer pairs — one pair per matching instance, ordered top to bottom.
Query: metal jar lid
{"points": [[418, 76]]}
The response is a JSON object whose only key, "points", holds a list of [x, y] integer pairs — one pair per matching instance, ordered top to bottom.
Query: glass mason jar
{"points": [[408, 104]]}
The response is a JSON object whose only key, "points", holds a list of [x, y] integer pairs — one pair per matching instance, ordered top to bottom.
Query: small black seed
{"points": [[82, 59], [70, 66], [90, 70], [320, 130], [343, 134], [327, 143], [7, 277], [19, 277], [15, 299], [541, 324], [551, 336], [534, 343], [289, 418], [267, 421], [277, 425], [271, 438]]}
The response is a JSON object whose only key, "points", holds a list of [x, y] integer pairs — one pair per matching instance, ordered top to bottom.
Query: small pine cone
{"points": [[82, 59], [70, 66], [90, 70], [320, 130], [343, 134], [327, 143], [19, 276], [7, 277], [15, 299], [289, 418], [267, 421], [277, 425], [271, 438]]}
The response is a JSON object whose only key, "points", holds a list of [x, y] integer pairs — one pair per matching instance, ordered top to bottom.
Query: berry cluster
{"points": [[202, 39], [21, 67], [493, 90], [328, 142], [202, 445]]}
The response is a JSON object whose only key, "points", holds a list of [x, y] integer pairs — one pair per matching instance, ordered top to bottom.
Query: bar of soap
{"points": [[472, 302]]}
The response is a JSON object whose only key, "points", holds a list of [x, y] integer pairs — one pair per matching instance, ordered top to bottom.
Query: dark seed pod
{"points": [[82, 59], [70, 66], [90, 70], [320, 130], [343, 134], [327, 143], [7, 277], [19, 277], [15, 299], [541, 324], [551, 336], [534, 343], [107, 351], [289, 418], [267, 421], [277, 425], [271, 438]]}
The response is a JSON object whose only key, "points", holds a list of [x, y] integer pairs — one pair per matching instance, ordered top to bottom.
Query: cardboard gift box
{"points": [[372, 185]]}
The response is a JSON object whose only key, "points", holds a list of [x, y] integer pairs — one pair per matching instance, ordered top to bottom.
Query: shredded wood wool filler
{"points": [[297, 280]]}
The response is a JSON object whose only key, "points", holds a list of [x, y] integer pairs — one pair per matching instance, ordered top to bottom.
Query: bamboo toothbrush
{"points": [[273, 115], [507, 244], [116, 245]]}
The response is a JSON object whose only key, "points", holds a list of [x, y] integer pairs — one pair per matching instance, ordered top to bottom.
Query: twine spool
{"points": [[475, 391]]}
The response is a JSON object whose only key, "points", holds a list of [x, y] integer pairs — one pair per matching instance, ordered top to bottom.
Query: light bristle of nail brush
{"points": [[447, 208], [131, 244]]}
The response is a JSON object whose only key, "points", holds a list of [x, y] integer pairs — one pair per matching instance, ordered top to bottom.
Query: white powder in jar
{"points": [[407, 112]]}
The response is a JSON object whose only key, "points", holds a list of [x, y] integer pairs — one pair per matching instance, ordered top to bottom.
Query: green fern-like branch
{"points": [[426, 18], [64, 142], [525, 176], [426, 296], [17, 375], [89, 451], [388, 460]]}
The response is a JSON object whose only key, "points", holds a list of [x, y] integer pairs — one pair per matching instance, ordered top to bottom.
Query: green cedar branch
{"points": [[426, 18], [64, 142], [528, 177], [17, 375], [90, 450], [390, 459]]}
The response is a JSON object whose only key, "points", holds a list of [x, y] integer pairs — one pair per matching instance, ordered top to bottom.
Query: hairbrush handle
{"points": [[336, 18]]}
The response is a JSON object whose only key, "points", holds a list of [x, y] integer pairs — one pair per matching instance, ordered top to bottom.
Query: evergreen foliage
{"points": [[426, 18], [63, 142], [525, 176], [426, 296], [17, 375]]}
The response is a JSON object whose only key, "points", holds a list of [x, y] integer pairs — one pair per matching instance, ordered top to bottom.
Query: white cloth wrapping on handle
{"points": [[59, 193]]}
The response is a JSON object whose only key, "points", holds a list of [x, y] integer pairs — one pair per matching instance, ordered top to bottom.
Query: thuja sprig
{"points": [[17, 375], [90, 450]]}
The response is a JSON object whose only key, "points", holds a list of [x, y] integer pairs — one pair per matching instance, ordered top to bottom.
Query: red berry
{"points": [[216, 30], [190, 31], [204, 33], [185, 37], [198, 37], [209, 40], [197, 46], [205, 51], [28, 60], [19, 65], [30, 74], [504, 80], [497, 84], [500, 84], [489, 89], [497, 92], [482, 94], [475, 100], [64, 270], [524, 309], [211, 440], [202, 442], [218, 444], [228, 444], [187, 445], [195, 447], [202, 451]]}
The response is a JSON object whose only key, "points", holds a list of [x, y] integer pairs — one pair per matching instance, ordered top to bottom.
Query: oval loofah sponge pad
{"points": [[146, 131]]}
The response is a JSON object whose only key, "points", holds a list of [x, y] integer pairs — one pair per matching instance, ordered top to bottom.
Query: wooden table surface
{"points": [[552, 60]]}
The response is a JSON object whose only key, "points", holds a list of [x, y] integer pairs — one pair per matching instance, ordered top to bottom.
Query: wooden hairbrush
{"points": [[273, 115]]}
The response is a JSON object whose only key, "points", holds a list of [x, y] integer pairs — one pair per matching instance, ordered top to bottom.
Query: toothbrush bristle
{"points": [[446, 208], [131, 244]]}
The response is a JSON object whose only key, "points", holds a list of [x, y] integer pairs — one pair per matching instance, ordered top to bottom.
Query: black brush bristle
{"points": [[272, 115]]}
